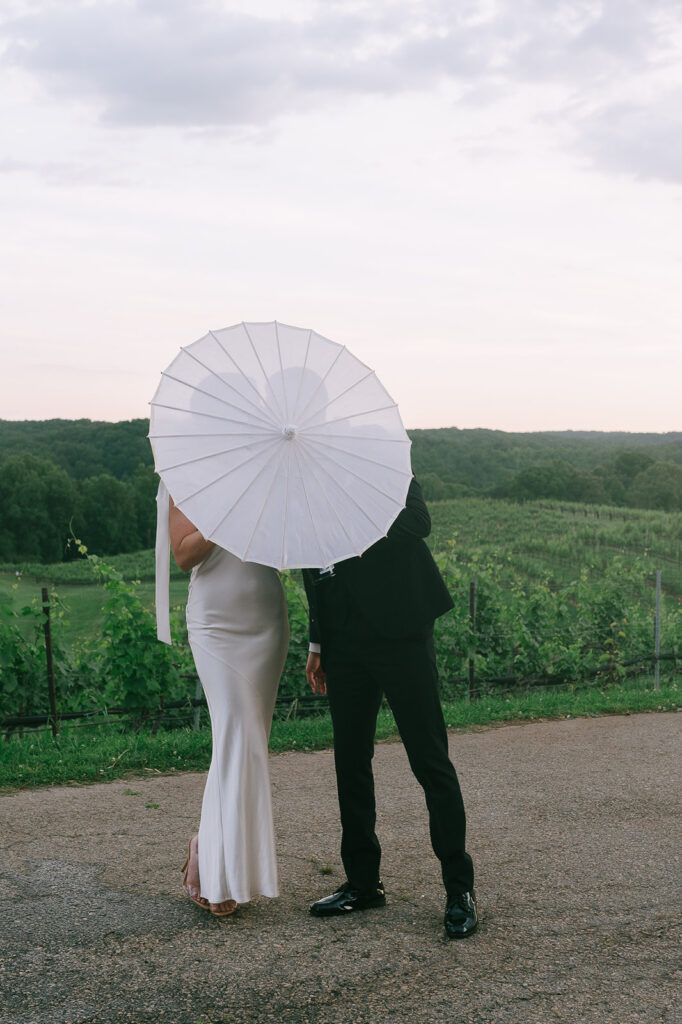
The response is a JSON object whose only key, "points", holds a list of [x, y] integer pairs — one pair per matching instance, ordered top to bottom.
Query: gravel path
{"points": [[574, 829]]}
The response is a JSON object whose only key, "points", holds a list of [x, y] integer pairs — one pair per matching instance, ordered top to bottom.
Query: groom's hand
{"points": [[315, 675]]}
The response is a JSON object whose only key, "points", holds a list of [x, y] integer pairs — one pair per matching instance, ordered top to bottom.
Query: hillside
{"points": [[82, 448], [480, 459], [487, 459], [96, 479]]}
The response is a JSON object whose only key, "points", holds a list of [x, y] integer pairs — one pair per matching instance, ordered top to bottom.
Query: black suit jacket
{"points": [[395, 585]]}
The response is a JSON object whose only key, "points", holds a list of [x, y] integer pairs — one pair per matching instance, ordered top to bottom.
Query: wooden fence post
{"points": [[473, 586], [657, 634], [51, 689]]}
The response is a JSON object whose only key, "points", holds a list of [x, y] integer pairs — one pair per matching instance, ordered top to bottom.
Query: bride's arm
{"points": [[188, 545]]}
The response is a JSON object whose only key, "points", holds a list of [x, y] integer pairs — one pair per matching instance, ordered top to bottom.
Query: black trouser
{"points": [[357, 678]]}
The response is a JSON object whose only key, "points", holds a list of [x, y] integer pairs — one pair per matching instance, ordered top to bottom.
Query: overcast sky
{"points": [[481, 199]]}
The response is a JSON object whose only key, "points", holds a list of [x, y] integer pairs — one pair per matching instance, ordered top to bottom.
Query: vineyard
{"points": [[543, 539], [565, 593], [545, 594]]}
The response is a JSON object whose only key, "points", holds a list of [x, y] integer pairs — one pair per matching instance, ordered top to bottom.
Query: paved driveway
{"points": [[574, 828]]}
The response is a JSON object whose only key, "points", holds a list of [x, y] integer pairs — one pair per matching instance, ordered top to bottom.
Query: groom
{"points": [[371, 633]]}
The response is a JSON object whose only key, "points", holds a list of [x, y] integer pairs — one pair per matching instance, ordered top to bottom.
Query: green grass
{"points": [[18, 593], [79, 604], [100, 753]]}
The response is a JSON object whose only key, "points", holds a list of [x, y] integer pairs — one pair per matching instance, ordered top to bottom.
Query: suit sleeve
{"points": [[413, 522]]}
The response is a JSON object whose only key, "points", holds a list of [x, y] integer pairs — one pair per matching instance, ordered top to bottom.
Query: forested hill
{"points": [[81, 447], [480, 459], [489, 460], [96, 478]]}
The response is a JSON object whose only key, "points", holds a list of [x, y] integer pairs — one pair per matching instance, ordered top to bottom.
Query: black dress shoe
{"points": [[347, 899], [461, 917]]}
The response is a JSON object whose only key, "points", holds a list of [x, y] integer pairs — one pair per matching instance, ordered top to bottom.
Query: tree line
{"points": [[488, 459], [630, 478], [94, 480], [42, 507]]}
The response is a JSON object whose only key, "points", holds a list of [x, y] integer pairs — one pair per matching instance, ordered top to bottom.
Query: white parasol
{"points": [[279, 445]]}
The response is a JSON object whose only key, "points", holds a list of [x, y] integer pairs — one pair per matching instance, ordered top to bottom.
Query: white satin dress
{"points": [[239, 632]]}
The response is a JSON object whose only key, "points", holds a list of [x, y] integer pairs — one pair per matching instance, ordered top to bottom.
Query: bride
{"points": [[238, 632]]}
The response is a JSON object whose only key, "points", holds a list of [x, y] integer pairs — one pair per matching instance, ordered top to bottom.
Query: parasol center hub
{"points": [[289, 432]]}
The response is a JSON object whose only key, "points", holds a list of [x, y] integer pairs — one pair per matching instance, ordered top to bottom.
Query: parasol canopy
{"points": [[279, 445]]}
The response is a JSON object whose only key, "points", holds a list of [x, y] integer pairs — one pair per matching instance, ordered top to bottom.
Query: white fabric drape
{"points": [[163, 564]]}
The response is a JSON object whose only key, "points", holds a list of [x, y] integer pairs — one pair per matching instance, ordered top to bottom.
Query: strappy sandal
{"points": [[195, 897], [230, 904]]}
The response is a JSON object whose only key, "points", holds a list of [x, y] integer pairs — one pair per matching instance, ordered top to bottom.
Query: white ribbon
{"points": [[163, 564]]}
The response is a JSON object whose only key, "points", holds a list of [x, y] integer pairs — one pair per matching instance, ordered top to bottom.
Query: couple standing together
{"points": [[371, 634]]}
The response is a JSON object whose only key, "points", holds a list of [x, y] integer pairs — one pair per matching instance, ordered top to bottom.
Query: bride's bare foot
{"points": [[191, 883]]}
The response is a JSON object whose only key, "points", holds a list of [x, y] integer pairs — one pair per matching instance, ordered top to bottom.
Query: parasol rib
{"points": [[342, 349], [236, 364], [281, 370], [303, 370], [266, 376], [194, 388], [345, 391], [195, 412], [259, 412], [352, 416], [222, 433], [355, 437], [211, 455], [355, 455], [313, 463], [222, 476], [365, 480], [240, 496], [348, 496], [265, 502], [286, 505], [310, 511]]}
